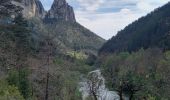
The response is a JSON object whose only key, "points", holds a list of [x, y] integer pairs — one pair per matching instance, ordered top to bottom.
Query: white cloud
{"points": [[90, 5], [108, 24]]}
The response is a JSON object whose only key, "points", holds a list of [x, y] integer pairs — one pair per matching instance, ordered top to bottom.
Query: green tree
{"points": [[20, 80], [9, 92]]}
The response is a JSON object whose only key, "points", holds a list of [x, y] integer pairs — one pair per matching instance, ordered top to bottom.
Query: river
{"points": [[95, 83]]}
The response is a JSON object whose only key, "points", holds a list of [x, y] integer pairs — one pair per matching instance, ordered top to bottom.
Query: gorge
{"points": [[48, 55]]}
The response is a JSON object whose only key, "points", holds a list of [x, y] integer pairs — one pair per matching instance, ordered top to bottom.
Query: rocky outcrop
{"points": [[31, 8], [60, 10], [40, 12]]}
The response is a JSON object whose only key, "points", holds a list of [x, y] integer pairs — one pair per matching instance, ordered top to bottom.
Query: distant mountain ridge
{"points": [[150, 31]]}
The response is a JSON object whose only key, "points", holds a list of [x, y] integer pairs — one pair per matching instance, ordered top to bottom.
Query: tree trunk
{"points": [[47, 81], [121, 94], [94, 95], [131, 96]]}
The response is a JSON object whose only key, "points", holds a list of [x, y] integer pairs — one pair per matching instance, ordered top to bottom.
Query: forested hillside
{"points": [[150, 31], [139, 75]]}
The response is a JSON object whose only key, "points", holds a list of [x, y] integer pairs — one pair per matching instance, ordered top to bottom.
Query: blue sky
{"points": [[107, 17]]}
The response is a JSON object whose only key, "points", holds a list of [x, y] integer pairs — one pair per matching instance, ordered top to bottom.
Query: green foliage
{"points": [[22, 34], [16, 38], [14, 48], [77, 55], [91, 60], [72, 64], [139, 73], [13, 77], [65, 77], [20, 80], [24, 84], [66, 86], [70, 86], [9, 92], [151, 97]]}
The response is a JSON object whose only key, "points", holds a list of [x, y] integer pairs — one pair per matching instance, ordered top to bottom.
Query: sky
{"points": [[107, 17]]}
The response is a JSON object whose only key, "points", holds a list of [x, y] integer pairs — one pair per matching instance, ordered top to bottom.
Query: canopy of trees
{"points": [[152, 30], [140, 75]]}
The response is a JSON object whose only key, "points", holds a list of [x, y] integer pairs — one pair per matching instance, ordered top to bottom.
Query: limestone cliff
{"points": [[31, 8], [60, 10]]}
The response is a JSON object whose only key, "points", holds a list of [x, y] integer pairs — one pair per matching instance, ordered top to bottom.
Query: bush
{"points": [[20, 80], [9, 92]]}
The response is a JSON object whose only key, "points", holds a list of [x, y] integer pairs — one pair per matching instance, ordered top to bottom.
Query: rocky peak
{"points": [[60, 10]]}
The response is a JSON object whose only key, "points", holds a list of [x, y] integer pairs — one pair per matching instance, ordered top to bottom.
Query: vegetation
{"points": [[147, 32], [74, 37], [15, 47], [77, 55], [40, 60], [24, 61], [135, 72], [139, 75], [20, 80], [94, 83], [9, 92]]}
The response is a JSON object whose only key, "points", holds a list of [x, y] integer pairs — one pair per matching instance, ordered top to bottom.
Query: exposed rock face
{"points": [[31, 8], [39, 9], [60, 10]]}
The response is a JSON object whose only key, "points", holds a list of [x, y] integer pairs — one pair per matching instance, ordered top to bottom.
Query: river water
{"points": [[95, 82]]}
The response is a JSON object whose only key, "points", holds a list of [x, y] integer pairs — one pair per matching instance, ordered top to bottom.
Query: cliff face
{"points": [[31, 8], [39, 9], [60, 10]]}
